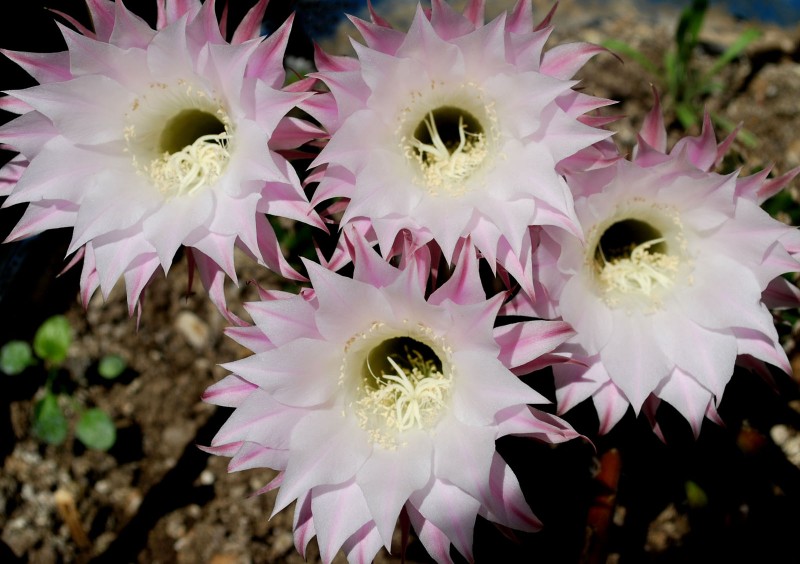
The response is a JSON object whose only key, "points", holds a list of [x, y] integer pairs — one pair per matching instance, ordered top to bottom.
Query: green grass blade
{"points": [[687, 33], [622, 48], [732, 52], [672, 76], [686, 115], [745, 136]]}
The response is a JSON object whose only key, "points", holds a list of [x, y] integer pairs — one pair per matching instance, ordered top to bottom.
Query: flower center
{"points": [[179, 138], [449, 145], [194, 153], [632, 257], [403, 387]]}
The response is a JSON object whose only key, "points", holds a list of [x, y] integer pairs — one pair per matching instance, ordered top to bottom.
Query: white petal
{"points": [[707, 356], [632, 357], [304, 372], [483, 386], [686, 395], [327, 449], [463, 455], [388, 478], [451, 510], [339, 511]]}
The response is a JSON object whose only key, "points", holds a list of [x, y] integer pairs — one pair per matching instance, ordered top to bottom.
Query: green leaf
{"points": [[687, 33], [623, 48], [732, 52], [671, 74], [686, 114], [744, 135], [782, 202], [52, 340], [15, 356], [111, 366], [49, 423], [96, 430], [695, 495]]}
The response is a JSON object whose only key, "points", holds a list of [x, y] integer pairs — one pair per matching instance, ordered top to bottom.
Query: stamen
{"points": [[179, 137], [442, 168], [183, 172], [642, 272], [405, 399]]}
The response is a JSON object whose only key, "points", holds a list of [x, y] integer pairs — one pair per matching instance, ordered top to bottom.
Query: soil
{"points": [[155, 497]]}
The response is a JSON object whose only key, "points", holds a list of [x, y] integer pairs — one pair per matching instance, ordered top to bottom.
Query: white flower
{"points": [[454, 129], [144, 140], [669, 288], [372, 400]]}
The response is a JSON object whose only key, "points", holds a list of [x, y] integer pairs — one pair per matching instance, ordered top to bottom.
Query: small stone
{"points": [[194, 329], [779, 434], [176, 436], [788, 440], [207, 477], [27, 493], [132, 502], [619, 516], [175, 528], [667, 530], [20, 539], [102, 542], [281, 543], [224, 559]]}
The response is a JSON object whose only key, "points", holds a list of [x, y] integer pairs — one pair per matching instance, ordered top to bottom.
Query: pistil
{"points": [[447, 157], [196, 165], [643, 272], [400, 391]]}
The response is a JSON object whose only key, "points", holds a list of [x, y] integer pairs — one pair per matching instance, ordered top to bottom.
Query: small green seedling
{"points": [[685, 87], [52, 340], [51, 343], [15, 357], [111, 366], [49, 422], [96, 430], [696, 496]]}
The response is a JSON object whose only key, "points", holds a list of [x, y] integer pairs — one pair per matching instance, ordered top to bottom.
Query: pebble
{"points": [[194, 329], [176, 436], [789, 441], [207, 477], [27, 493], [132, 502], [175, 528], [667, 530], [281, 543], [224, 559]]}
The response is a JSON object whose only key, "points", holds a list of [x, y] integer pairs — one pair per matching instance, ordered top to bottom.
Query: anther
{"points": [[183, 172], [641, 272]]}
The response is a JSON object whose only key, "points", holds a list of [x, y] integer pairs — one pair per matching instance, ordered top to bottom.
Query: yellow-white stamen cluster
{"points": [[179, 137], [196, 165], [443, 169], [643, 272], [394, 391], [410, 398]]}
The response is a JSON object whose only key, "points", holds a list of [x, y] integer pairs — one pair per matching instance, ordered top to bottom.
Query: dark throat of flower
{"points": [[185, 128], [179, 137], [449, 145], [194, 152], [632, 256], [403, 387]]}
